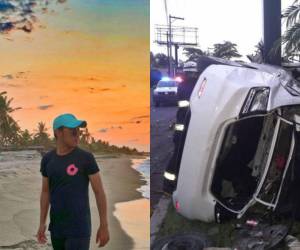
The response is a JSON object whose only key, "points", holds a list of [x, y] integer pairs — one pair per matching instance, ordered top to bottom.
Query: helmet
{"points": [[190, 66]]}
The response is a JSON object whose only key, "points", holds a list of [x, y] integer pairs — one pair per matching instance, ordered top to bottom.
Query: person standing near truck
{"points": [[185, 89]]}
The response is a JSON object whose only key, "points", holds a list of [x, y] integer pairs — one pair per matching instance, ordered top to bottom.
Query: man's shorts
{"points": [[70, 243]]}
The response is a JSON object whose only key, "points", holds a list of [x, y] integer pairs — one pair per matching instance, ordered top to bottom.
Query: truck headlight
{"points": [[257, 100]]}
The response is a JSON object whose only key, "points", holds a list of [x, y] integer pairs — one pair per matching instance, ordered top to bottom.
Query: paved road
{"points": [[161, 147]]}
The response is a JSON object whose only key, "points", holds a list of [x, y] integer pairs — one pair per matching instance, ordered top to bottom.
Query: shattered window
{"points": [[242, 160], [272, 182], [233, 183]]}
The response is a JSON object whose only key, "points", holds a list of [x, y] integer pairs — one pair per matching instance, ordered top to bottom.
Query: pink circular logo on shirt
{"points": [[72, 170]]}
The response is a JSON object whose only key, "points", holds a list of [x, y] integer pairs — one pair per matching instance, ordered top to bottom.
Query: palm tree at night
{"points": [[225, 50], [9, 129]]}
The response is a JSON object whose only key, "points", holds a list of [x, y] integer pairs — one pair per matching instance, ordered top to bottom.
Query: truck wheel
{"points": [[182, 241]]}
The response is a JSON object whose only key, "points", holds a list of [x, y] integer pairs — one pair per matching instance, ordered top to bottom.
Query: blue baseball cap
{"points": [[68, 121]]}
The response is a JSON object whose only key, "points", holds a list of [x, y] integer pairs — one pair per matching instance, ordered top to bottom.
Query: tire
{"points": [[182, 241]]}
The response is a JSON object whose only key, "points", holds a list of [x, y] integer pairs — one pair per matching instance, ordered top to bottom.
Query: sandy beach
{"points": [[20, 183]]}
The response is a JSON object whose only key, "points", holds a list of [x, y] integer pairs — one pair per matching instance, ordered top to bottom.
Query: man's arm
{"points": [[44, 202], [44, 207], [103, 233]]}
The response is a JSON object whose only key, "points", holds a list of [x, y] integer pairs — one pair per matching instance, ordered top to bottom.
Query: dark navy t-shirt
{"points": [[69, 197]]}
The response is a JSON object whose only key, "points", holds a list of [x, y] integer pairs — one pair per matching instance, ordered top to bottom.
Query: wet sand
{"points": [[20, 183], [120, 183], [132, 226]]}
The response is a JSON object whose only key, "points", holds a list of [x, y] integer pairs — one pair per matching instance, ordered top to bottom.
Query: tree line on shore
{"points": [[13, 137]]}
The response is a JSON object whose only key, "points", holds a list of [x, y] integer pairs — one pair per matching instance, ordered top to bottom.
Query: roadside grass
{"points": [[221, 235]]}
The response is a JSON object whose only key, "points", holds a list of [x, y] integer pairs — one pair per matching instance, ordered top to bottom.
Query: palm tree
{"points": [[291, 38], [225, 50], [193, 54], [258, 56], [161, 60], [9, 129], [42, 129], [41, 137], [85, 137], [26, 138]]}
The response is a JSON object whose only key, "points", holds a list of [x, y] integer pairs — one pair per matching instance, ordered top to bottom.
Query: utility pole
{"points": [[271, 30], [182, 36], [168, 38], [170, 42], [168, 48], [176, 57], [171, 74]]}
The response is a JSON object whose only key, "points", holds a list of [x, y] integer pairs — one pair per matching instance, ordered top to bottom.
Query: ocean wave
{"points": [[143, 166]]}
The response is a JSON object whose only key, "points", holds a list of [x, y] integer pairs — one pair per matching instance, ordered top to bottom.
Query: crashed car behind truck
{"points": [[240, 144]]}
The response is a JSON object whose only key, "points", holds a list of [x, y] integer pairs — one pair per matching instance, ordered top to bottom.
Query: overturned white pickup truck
{"points": [[240, 144]]}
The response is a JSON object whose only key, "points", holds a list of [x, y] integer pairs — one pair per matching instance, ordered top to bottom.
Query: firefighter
{"points": [[190, 75], [185, 89]]}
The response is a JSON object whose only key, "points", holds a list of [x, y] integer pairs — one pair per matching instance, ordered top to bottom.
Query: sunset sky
{"points": [[89, 58]]}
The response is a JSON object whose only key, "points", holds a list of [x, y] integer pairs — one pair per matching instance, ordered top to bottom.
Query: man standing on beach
{"points": [[66, 173]]}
